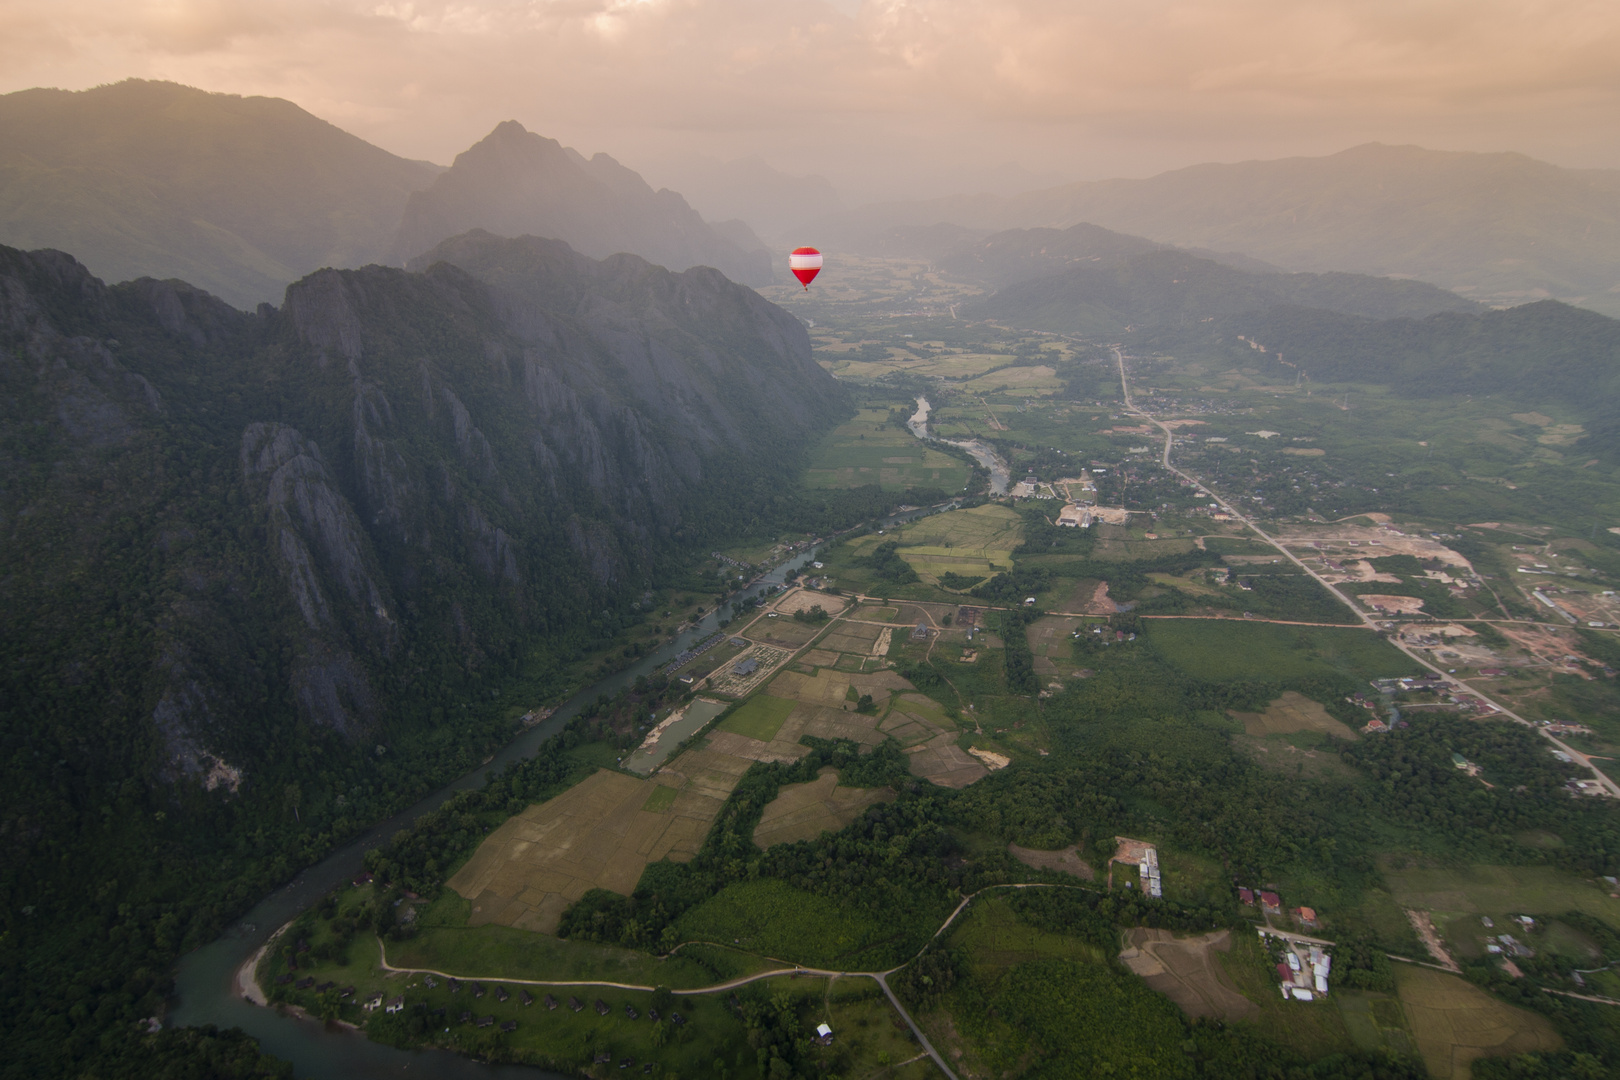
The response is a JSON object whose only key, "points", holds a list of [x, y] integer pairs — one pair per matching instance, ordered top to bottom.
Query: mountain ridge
{"points": [[514, 182], [1500, 228]]}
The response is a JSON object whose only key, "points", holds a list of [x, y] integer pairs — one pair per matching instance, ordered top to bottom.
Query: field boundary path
{"points": [[1609, 786], [880, 977]]}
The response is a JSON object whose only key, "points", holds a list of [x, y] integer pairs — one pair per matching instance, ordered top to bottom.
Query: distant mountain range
{"points": [[239, 196], [242, 196], [774, 203], [1499, 228], [1015, 255], [1087, 280]]}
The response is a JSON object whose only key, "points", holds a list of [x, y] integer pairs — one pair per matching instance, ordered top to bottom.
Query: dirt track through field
{"points": [[1185, 971]]}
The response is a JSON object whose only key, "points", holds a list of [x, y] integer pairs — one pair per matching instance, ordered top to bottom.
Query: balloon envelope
{"points": [[805, 263]]}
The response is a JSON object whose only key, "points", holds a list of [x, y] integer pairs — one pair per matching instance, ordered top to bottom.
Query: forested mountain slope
{"points": [[516, 183], [239, 195], [1501, 228], [1015, 255], [1118, 289], [1543, 352], [258, 571]]}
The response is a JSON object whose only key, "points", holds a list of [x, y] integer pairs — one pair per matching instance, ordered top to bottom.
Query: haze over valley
{"points": [[883, 540]]}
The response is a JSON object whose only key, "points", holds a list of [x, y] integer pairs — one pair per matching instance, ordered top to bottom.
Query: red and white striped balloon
{"points": [[805, 263]]}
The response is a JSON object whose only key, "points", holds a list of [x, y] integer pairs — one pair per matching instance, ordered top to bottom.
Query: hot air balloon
{"points": [[805, 263]]}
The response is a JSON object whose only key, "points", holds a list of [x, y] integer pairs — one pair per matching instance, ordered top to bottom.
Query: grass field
{"points": [[1021, 380], [869, 450], [988, 533], [974, 543], [1222, 649], [1294, 712], [760, 717], [598, 834], [1497, 891], [774, 919], [446, 943], [1454, 1023]]}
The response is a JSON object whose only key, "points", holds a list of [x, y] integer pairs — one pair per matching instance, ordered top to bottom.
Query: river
{"points": [[983, 453], [206, 990]]}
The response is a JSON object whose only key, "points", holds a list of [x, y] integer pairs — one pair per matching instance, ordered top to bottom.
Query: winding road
{"points": [[1609, 786]]}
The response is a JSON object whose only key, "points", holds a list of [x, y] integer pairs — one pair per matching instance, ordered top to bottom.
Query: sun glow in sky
{"points": [[882, 96]]}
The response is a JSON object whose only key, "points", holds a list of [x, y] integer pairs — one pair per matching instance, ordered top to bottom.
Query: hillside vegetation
{"points": [[238, 195], [1114, 294], [264, 576]]}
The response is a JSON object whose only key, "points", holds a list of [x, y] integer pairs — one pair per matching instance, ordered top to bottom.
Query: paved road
{"points": [[1609, 785]]}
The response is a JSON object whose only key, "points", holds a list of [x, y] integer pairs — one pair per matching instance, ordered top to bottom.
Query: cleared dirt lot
{"points": [[805, 599], [1405, 605], [805, 811], [1064, 861], [1183, 970]]}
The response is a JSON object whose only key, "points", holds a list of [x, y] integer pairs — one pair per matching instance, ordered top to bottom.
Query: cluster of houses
{"points": [[695, 651], [1430, 682], [1143, 856], [1269, 902], [1506, 945], [1303, 970]]}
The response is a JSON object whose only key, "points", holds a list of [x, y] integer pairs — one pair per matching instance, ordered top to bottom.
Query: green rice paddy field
{"points": [[870, 450]]}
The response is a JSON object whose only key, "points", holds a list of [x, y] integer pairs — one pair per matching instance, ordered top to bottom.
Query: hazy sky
{"points": [[880, 94]]}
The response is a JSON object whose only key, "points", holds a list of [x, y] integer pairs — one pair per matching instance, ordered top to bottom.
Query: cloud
{"points": [[1083, 81]]}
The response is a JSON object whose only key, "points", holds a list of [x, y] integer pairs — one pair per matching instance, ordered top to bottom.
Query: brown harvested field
{"points": [[805, 599], [874, 613], [911, 614], [783, 632], [858, 638], [1049, 640], [819, 658], [880, 684], [823, 688], [1293, 712], [829, 723], [741, 746], [941, 761], [706, 771], [805, 811], [595, 835], [1064, 861], [1183, 970], [1454, 1023]]}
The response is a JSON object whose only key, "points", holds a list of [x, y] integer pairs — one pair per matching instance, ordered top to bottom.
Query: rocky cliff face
{"points": [[516, 183], [327, 518]]}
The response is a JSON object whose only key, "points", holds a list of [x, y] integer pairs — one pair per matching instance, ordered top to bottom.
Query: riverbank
{"points": [[981, 451], [215, 984]]}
